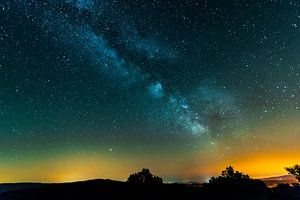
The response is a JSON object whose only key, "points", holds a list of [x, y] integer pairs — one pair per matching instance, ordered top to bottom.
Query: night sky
{"points": [[102, 88]]}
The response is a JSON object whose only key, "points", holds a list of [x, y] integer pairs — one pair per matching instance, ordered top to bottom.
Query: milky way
{"points": [[138, 78]]}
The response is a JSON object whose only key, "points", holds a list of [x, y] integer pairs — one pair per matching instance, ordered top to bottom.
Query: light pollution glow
{"points": [[100, 89], [268, 160]]}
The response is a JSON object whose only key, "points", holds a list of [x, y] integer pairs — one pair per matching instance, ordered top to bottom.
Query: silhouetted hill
{"points": [[273, 181], [101, 189], [108, 189]]}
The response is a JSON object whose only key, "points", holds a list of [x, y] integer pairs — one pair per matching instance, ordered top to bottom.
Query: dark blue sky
{"points": [[145, 77]]}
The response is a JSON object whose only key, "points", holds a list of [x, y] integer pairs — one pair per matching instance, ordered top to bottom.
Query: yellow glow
{"points": [[258, 156], [72, 168]]}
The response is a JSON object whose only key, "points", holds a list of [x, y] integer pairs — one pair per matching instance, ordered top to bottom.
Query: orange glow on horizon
{"points": [[268, 160], [266, 165], [77, 169]]}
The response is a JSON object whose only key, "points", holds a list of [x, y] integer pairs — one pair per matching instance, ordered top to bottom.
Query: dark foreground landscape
{"points": [[231, 184], [107, 189]]}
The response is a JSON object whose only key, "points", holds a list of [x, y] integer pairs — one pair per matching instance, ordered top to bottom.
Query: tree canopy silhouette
{"points": [[295, 171], [229, 175], [144, 177], [233, 184]]}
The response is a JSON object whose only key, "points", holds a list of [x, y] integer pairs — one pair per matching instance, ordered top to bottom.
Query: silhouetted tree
{"points": [[295, 171], [229, 175], [144, 177], [233, 184]]}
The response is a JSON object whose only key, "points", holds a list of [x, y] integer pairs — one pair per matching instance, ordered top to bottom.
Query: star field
{"points": [[122, 85]]}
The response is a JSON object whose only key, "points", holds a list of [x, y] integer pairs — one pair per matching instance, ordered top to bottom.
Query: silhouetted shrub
{"points": [[144, 177]]}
